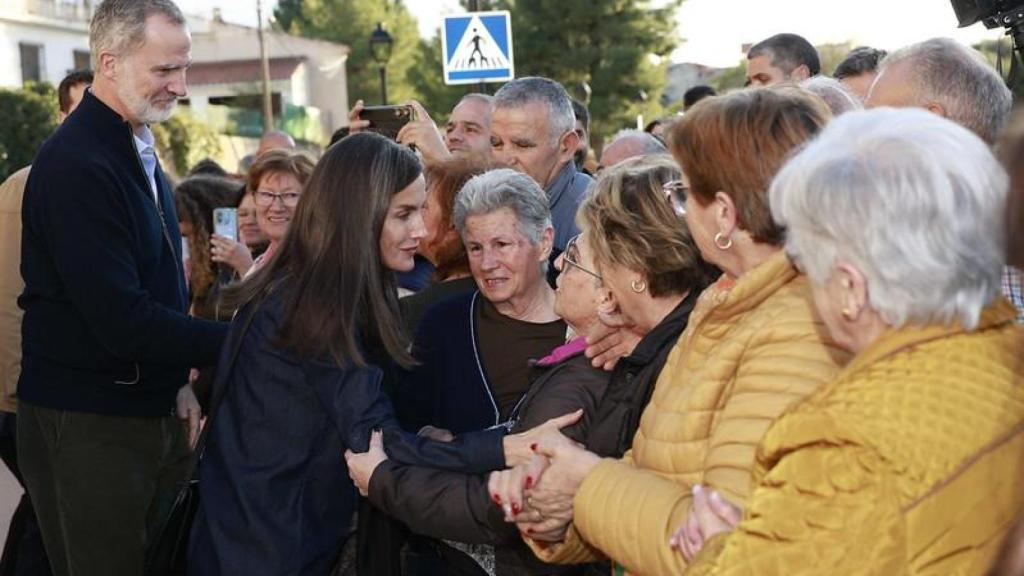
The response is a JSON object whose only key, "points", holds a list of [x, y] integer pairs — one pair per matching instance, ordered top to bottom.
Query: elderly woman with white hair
{"points": [[474, 349], [910, 461]]}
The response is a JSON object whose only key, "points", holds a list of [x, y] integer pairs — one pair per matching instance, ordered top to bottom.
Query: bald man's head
{"points": [[275, 139], [630, 144]]}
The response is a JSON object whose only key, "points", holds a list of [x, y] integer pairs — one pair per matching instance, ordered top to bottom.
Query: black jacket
{"points": [[106, 328], [632, 383]]}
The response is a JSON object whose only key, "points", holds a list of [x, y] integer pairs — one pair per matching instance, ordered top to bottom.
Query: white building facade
{"points": [[43, 40]]}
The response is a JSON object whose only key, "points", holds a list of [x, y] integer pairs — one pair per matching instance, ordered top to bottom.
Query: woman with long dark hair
{"points": [[300, 375]]}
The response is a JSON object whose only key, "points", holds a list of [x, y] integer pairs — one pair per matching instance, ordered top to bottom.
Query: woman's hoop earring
{"points": [[718, 242], [638, 286]]}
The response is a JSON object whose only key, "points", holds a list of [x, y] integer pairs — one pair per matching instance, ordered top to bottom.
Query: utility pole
{"points": [[268, 101]]}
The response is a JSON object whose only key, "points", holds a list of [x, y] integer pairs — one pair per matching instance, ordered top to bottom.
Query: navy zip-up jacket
{"points": [[106, 328]]}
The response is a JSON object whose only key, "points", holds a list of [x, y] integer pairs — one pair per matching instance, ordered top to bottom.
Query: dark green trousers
{"points": [[101, 485]]}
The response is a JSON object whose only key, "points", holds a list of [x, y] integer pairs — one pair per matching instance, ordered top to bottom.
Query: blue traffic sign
{"points": [[477, 48]]}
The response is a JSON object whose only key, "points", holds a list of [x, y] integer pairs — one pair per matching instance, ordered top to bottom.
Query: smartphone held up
{"points": [[387, 120], [225, 222]]}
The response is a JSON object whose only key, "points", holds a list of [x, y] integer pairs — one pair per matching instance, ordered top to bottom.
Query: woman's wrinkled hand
{"points": [[224, 250], [609, 344], [519, 447], [362, 465], [710, 515]]}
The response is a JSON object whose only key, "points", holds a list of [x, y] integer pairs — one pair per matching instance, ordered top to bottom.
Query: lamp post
{"points": [[380, 49]]}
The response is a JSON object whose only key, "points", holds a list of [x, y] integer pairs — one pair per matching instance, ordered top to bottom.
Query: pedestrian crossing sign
{"points": [[477, 47]]}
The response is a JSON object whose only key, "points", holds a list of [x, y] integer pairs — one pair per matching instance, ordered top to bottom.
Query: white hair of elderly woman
{"points": [[836, 95], [504, 188], [912, 200]]}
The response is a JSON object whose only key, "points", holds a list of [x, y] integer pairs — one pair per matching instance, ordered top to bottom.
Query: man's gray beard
{"points": [[143, 110]]}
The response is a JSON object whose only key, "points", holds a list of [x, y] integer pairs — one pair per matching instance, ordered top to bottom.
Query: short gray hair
{"points": [[119, 26], [958, 78], [523, 91], [835, 94], [483, 98], [647, 142], [504, 188], [913, 200]]}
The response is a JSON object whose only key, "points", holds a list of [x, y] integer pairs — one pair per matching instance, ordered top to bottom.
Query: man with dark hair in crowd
{"points": [[782, 58], [858, 70], [696, 94], [582, 115], [533, 131], [105, 413], [23, 552]]}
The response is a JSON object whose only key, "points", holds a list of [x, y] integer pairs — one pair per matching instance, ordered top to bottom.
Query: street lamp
{"points": [[380, 49]]}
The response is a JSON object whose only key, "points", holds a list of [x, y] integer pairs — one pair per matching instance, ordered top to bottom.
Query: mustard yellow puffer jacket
{"points": [[751, 350], [911, 462]]}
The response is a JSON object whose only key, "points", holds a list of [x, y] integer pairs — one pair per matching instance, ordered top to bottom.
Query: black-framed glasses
{"points": [[676, 193], [263, 198], [571, 255]]}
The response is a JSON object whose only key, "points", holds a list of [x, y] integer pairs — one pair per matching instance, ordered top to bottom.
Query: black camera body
{"points": [[991, 13]]}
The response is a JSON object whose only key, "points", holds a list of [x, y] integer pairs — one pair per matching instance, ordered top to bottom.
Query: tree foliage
{"points": [[351, 22], [619, 48], [29, 117], [182, 141]]}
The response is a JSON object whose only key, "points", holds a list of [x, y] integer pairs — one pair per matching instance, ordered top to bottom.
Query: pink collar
{"points": [[560, 354]]}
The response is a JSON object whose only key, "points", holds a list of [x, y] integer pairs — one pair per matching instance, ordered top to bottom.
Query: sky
{"points": [[715, 30]]}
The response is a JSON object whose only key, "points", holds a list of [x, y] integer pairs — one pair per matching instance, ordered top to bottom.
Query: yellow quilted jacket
{"points": [[750, 350], [911, 462]]}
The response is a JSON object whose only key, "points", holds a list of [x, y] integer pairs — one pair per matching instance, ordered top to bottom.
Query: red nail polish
{"points": [[533, 447], [529, 482], [497, 499], [516, 509], [529, 530]]}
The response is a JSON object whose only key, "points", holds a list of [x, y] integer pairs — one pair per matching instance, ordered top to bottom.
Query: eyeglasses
{"points": [[676, 193], [264, 199], [571, 255]]}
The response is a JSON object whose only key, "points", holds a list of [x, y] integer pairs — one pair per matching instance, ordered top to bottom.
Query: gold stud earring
{"points": [[638, 286]]}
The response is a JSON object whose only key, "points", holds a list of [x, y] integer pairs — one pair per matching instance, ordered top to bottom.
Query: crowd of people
{"points": [[777, 333]]}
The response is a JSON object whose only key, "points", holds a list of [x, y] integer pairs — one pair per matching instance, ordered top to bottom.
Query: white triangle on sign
{"points": [[477, 50]]}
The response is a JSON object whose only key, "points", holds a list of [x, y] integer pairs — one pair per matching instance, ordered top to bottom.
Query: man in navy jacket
{"points": [[107, 341]]}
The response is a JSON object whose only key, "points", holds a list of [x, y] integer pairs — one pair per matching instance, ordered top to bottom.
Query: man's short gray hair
{"points": [[119, 26], [961, 81], [523, 91], [835, 94], [648, 143], [504, 188], [914, 201]]}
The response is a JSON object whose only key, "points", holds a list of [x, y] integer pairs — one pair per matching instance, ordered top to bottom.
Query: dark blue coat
{"points": [[106, 326], [449, 387], [275, 496]]}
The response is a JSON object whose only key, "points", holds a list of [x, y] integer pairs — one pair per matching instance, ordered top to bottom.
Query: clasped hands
{"points": [[538, 494]]}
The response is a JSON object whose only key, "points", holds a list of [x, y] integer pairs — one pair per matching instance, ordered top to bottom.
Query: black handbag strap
{"points": [[219, 392]]}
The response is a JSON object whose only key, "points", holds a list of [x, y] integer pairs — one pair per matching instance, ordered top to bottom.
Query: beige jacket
{"points": [[11, 285]]}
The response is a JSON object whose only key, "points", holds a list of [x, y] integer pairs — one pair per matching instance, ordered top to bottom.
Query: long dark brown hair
{"points": [[195, 198], [336, 293]]}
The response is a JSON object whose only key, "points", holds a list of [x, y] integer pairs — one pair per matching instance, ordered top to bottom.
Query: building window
{"points": [[81, 58], [31, 62]]}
